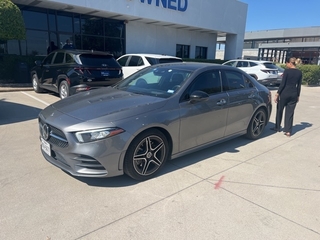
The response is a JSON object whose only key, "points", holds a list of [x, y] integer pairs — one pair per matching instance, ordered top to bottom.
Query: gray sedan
{"points": [[161, 112]]}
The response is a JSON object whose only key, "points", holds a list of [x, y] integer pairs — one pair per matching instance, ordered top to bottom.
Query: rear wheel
{"points": [[35, 84], [64, 90], [257, 124], [146, 155]]}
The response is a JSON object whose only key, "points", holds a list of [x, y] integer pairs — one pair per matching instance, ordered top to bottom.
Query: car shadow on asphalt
{"points": [[14, 112], [230, 146]]}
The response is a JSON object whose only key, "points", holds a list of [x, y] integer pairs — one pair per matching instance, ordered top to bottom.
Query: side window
{"points": [[59, 58], [69, 58], [48, 59], [122, 61], [134, 61], [232, 63], [242, 64], [252, 64], [235, 80], [208, 82], [248, 82]]}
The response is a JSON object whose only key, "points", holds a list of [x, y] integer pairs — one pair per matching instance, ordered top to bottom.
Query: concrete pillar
{"points": [[233, 47]]}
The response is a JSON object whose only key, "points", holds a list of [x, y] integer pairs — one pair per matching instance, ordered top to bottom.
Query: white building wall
{"points": [[147, 38]]}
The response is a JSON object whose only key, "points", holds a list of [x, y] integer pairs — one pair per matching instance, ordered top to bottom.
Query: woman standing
{"points": [[287, 96]]}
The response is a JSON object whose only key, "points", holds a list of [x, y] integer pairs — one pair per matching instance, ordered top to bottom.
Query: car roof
{"points": [[79, 51], [153, 55], [248, 60], [194, 65]]}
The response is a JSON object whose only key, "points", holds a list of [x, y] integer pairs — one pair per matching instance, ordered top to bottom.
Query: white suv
{"points": [[131, 63], [265, 72]]}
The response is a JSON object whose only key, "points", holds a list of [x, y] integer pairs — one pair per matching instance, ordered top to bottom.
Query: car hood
{"points": [[97, 105]]}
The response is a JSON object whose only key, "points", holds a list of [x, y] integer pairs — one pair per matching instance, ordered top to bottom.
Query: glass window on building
{"points": [[35, 19], [65, 22], [92, 25], [114, 29], [37, 42], [93, 43], [115, 46], [182, 51], [201, 52]]}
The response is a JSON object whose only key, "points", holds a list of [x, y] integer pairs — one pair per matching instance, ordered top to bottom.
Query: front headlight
{"points": [[97, 134]]}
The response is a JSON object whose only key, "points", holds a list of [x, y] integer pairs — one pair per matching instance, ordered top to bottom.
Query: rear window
{"points": [[99, 60], [154, 61], [270, 65]]}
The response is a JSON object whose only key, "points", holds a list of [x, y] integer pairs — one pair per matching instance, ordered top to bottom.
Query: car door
{"points": [[133, 64], [58, 67], [46, 76], [241, 102], [205, 121]]}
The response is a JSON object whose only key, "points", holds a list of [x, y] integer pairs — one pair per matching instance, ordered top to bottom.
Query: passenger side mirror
{"points": [[198, 96]]}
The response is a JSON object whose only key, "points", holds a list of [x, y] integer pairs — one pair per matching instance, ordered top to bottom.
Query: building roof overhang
{"points": [[105, 14]]}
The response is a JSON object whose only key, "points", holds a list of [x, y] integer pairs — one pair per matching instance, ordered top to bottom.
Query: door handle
{"points": [[251, 95], [221, 102]]}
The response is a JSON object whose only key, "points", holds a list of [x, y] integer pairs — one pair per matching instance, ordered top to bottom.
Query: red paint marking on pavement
{"points": [[218, 184]]}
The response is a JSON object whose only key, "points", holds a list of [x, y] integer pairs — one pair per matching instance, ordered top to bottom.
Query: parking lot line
{"points": [[45, 103]]}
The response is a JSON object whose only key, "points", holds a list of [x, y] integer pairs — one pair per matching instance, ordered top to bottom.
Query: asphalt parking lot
{"points": [[241, 189]]}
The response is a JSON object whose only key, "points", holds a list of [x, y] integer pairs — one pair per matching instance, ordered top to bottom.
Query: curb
{"points": [[15, 87]]}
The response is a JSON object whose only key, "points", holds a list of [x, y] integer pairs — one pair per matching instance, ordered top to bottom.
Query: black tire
{"points": [[35, 84], [64, 90], [257, 124], [146, 155]]}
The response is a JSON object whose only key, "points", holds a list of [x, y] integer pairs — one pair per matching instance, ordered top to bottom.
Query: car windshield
{"points": [[155, 81]]}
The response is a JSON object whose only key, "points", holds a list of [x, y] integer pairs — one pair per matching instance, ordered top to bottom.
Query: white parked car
{"points": [[132, 63], [265, 72]]}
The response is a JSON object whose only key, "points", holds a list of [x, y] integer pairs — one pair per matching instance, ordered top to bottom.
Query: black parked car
{"points": [[68, 71]]}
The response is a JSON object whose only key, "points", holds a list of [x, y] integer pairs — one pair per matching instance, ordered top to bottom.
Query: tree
{"points": [[11, 22]]}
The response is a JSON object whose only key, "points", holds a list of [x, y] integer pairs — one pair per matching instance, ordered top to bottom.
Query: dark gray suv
{"points": [[68, 71]]}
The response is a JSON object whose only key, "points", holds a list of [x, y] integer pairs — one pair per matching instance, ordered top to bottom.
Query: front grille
{"points": [[56, 136]]}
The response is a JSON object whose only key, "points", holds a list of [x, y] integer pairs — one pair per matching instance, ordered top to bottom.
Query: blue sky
{"points": [[279, 14]]}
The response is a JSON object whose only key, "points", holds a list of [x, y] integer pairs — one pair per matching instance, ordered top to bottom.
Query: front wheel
{"points": [[35, 84], [64, 90], [257, 124], [146, 155]]}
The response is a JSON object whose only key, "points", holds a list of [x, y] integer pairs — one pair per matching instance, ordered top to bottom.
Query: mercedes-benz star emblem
{"points": [[45, 131]]}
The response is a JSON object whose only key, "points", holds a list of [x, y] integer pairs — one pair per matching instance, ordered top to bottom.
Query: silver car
{"points": [[159, 113]]}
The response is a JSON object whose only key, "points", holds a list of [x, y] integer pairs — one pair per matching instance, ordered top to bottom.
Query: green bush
{"points": [[310, 74]]}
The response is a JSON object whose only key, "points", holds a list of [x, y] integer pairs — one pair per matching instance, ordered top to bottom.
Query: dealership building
{"points": [[183, 28], [278, 44]]}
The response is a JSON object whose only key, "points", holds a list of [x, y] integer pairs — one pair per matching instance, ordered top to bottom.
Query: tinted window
{"points": [[59, 58], [69, 58], [48, 59], [98, 60], [169, 60], [122, 61], [135, 61], [232, 63], [242, 64], [252, 64], [270, 65], [235, 80], [208, 82], [248, 82]]}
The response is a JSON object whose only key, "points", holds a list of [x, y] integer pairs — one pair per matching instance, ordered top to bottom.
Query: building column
{"points": [[233, 47]]}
